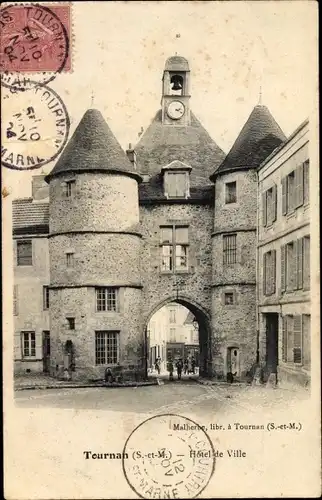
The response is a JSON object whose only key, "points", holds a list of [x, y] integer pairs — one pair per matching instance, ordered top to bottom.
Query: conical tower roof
{"points": [[258, 138], [93, 147]]}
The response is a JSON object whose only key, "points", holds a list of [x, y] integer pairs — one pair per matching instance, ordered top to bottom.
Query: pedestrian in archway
{"points": [[193, 364], [158, 365], [179, 366], [185, 366], [170, 369]]}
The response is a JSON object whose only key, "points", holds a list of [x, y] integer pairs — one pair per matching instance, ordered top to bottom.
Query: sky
{"points": [[118, 52]]}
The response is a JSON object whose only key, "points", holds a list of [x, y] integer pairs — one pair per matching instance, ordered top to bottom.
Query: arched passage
{"points": [[201, 317]]}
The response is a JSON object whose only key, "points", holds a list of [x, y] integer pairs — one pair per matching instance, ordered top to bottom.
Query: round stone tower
{"points": [[234, 246], [94, 247]]}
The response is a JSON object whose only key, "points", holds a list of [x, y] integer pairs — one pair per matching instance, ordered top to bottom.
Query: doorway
{"points": [[178, 330], [271, 342], [46, 350], [233, 362]]}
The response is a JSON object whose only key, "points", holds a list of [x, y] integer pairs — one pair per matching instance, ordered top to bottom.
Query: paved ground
{"points": [[170, 397]]}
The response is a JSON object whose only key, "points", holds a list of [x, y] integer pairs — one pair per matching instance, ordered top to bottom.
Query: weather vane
{"points": [[260, 95], [92, 98]]}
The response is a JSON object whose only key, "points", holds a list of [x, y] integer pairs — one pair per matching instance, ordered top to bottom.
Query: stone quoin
{"points": [[118, 235]]}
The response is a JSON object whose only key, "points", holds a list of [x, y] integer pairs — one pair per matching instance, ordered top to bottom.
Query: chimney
{"points": [[131, 154], [39, 188]]}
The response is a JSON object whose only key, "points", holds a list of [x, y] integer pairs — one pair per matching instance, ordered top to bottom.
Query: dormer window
{"points": [[176, 180], [177, 184]]}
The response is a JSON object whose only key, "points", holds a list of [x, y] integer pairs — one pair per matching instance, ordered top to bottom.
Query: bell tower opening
{"points": [[175, 92]]}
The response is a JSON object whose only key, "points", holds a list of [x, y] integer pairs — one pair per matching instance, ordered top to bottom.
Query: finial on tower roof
{"points": [[260, 95], [92, 98]]}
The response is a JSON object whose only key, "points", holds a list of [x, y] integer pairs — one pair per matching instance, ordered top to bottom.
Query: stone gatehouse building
{"points": [[109, 237]]}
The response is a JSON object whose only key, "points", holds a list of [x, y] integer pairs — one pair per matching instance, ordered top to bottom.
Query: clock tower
{"points": [[176, 92]]}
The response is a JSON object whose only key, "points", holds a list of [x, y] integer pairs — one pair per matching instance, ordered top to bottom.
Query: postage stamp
{"points": [[35, 39], [35, 127], [168, 456]]}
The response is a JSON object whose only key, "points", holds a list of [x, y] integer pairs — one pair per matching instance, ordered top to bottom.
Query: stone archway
{"points": [[205, 333]]}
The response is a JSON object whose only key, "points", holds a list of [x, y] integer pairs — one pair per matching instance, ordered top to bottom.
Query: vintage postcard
{"points": [[160, 223]]}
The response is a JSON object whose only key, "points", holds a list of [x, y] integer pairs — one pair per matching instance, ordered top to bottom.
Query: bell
{"points": [[176, 83]]}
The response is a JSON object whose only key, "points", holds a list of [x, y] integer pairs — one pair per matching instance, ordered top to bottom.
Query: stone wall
{"points": [[102, 202], [80, 303]]}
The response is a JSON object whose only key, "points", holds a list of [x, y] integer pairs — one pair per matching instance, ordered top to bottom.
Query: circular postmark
{"points": [[34, 41], [35, 127], [168, 456]]}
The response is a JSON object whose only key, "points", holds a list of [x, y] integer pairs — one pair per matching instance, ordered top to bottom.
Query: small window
{"points": [[176, 185], [70, 188], [231, 192], [230, 248], [24, 253], [69, 259], [45, 297], [229, 298], [106, 299], [172, 316], [71, 323], [172, 334], [28, 344], [106, 348]]}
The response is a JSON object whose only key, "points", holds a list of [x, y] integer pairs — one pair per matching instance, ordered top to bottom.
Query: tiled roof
{"points": [[258, 138], [162, 144], [92, 147], [29, 217]]}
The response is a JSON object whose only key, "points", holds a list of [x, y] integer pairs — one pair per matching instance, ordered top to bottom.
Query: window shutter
{"points": [[306, 181], [300, 186], [284, 195], [274, 202], [264, 208], [294, 266], [283, 267], [273, 269], [299, 272], [264, 273], [15, 300], [284, 339], [297, 339]]}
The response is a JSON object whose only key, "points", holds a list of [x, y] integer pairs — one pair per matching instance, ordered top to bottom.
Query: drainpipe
{"points": [[257, 269]]}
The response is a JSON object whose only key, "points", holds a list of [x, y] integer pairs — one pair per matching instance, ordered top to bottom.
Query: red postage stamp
{"points": [[35, 38]]}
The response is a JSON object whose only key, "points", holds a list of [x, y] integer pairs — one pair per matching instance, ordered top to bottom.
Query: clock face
{"points": [[175, 110]]}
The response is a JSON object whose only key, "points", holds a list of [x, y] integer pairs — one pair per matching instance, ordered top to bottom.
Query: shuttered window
{"points": [[306, 181], [176, 185], [299, 186], [291, 191], [231, 192], [284, 196], [264, 209], [291, 257], [306, 262], [299, 263], [283, 268], [269, 273], [15, 300], [284, 339], [292, 339], [297, 339], [306, 340]]}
